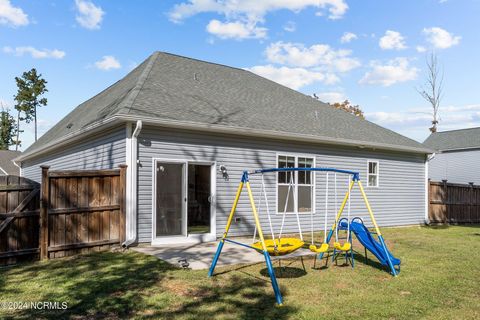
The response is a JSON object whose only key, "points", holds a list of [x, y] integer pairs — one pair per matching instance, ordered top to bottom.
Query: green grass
{"points": [[439, 280]]}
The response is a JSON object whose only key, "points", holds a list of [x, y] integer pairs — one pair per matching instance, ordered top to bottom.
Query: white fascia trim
{"points": [[269, 134], [70, 138], [5, 172]]}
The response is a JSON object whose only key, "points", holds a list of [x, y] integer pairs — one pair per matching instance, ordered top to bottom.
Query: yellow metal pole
{"points": [[369, 208], [340, 211], [232, 212], [255, 215]]}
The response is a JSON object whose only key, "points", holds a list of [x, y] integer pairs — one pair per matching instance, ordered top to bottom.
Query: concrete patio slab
{"points": [[200, 255]]}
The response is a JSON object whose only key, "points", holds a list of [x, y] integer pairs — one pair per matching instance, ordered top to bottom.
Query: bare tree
{"points": [[432, 90]]}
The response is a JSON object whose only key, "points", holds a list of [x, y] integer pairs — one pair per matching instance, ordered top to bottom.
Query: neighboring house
{"points": [[188, 128], [457, 156], [7, 166]]}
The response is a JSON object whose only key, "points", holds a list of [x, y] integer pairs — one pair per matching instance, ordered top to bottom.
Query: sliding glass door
{"points": [[170, 199], [183, 199]]}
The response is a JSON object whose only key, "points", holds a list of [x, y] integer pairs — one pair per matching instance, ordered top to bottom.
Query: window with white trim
{"points": [[372, 174], [300, 197]]}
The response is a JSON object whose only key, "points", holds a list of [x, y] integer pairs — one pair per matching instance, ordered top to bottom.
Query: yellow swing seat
{"points": [[280, 247], [345, 247], [323, 248]]}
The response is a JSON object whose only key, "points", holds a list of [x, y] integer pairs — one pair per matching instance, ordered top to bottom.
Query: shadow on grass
{"points": [[369, 262], [285, 272], [95, 285], [117, 286], [237, 298]]}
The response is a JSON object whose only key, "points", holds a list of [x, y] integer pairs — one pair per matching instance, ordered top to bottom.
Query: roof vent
{"points": [[195, 76], [69, 126]]}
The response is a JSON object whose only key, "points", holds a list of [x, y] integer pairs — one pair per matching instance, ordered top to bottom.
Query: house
{"points": [[187, 129], [457, 156], [7, 166]]}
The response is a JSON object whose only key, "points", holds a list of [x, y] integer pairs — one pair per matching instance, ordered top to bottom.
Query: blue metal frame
{"points": [[355, 175], [215, 258], [268, 261]]}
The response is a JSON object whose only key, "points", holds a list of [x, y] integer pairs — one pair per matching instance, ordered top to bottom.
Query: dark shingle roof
{"points": [[179, 89], [455, 139], [6, 163]]}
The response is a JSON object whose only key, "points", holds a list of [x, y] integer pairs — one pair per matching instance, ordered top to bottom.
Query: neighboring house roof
{"points": [[171, 90], [454, 140], [7, 167]]}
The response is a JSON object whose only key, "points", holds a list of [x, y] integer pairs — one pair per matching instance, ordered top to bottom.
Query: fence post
{"points": [[123, 181], [446, 202], [429, 204], [471, 206], [43, 241]]}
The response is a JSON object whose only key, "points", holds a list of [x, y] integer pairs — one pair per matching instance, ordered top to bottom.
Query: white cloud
{"points": [[253, 8], [252, 12], [89, 15], [12, 16], [290, 26], [235, 30], [348, 37], [441, 38], [392, 40], [421, 49], [35, 53], [319, 55], [108, 63], [396, 70], [294, 78], [331, 97]]}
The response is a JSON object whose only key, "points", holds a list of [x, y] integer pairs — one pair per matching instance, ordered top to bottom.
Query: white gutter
{"points": [[100, 126], [271, 134], [69, 138], [131, 188], [427, 200]]}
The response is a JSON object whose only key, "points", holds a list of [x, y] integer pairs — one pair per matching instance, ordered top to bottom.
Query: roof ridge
{"points": [[204, 61], [130, 99], [464, 129]]}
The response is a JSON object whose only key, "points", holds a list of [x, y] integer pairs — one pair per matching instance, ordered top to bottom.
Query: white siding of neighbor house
{"points": [[104, 151], [456, 167], [398, 200]]}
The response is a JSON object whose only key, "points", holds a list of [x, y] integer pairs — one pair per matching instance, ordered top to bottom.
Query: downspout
{"points": [[19, 168], [131, 197], [427, 200]]}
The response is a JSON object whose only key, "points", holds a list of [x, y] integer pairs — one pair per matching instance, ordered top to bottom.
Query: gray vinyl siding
{"points": [[104, 151], [456, 167], [398, 200]]}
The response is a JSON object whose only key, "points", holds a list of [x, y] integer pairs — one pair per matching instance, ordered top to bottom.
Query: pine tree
{"points": [[29, 97]]}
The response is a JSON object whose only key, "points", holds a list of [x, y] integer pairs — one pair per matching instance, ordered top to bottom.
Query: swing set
{"points": [[283, 246]]}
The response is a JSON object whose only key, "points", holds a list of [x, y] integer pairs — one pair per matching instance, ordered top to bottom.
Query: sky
{"points": [[372, 53]]}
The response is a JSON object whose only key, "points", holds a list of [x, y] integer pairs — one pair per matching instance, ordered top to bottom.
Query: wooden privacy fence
{"points": [[454, 203], [81, 211], [70, 212], [19, 213]]}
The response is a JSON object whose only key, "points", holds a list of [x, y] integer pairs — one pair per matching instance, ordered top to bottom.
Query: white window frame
{"points": [[371, 174], [295, 200]]}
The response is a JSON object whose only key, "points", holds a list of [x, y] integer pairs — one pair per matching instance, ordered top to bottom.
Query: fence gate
{"points": [[81, 211], [19, 213]]}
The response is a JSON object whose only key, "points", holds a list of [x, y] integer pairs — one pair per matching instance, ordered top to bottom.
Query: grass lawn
{"points": [[440, 279]]}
